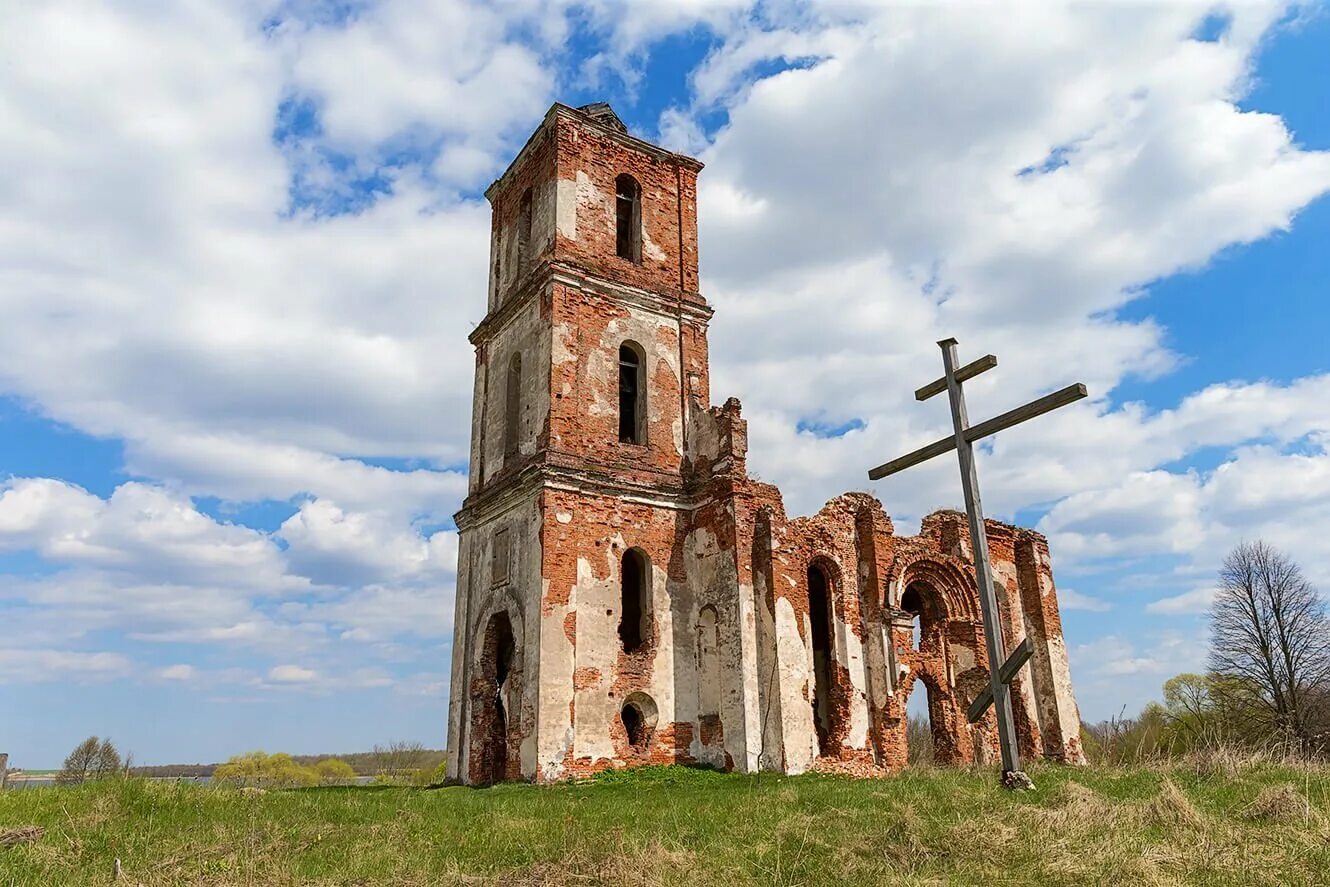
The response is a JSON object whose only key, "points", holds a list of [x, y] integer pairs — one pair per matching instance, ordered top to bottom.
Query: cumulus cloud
{"points": [[292, 674]]}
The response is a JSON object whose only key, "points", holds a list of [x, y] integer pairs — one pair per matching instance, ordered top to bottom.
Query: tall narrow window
{"points": [[628, 218], [524, 233], [632, 396], [512, 412], [635, 585], [819, 615]]}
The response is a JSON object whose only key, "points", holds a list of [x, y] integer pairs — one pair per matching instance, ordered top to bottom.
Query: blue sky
{"points": [[245, 243]]}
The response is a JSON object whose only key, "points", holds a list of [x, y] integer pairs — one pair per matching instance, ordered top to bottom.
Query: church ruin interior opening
{"points": [[627, 592]]}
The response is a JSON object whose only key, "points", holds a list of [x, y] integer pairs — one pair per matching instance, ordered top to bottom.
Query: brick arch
{"points": [[951, 580]]}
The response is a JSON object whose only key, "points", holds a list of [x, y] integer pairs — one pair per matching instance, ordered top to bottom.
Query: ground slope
{"points": [[1192, 824]]}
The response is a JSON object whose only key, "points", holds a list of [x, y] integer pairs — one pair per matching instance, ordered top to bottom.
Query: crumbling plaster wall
{"points": [[526, 333], [513, 522], [587, 675]]}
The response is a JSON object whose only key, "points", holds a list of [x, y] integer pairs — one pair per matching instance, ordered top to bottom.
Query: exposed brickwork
{"points": [[733, 664]]}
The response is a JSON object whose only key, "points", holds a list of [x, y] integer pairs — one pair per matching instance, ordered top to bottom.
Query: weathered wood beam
{"points": [[969, 371], [1045, 404], [1019, 656]]}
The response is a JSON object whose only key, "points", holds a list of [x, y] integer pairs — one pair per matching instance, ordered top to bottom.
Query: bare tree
{"points": [[1269, 629], [401, 760], [107, 762], [81, 763]]}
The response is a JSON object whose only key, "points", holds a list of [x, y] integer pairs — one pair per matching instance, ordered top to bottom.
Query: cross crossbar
{"points": [[969, 371], [1045, 404], [1019, 656]]}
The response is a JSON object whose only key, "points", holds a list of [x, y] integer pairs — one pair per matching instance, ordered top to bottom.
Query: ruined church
{"points": [[626, 593]]}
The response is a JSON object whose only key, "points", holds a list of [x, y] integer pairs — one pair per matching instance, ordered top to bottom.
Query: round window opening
{"points": [[639, 721]]}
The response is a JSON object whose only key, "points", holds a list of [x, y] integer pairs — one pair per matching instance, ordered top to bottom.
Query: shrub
{"points": [[259, 769], [335, 771]]}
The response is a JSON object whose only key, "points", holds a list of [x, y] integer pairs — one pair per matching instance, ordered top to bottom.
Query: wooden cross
{"points": [[1001, 670]]}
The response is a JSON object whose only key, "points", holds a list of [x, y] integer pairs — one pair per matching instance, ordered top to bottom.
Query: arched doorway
{"points": [[820, 622], [495, 695]]}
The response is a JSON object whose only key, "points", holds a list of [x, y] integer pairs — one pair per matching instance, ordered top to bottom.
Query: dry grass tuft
{"points": [[1280, 803], [1076, 807], [1172, 809]]}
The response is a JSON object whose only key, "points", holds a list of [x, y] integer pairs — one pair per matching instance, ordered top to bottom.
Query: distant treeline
{"points": [[365, 763]]}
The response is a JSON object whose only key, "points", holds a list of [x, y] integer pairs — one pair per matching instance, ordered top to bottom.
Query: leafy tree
{"points": [[1270, 632], [260, 769], [335, 771]]}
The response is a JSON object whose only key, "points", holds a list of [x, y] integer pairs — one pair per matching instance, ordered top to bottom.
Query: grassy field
{"points": [[1204, 823]]}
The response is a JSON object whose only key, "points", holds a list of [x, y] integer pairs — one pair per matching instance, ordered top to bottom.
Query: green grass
{"points": [[1244, 824]]}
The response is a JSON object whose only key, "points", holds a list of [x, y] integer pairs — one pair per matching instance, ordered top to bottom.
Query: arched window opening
{"points": [[628, 218], [524, 232], [632, 396], [512, 413], [634, 580], [819, 615]]}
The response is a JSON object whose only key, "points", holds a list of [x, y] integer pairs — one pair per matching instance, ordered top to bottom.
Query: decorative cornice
{"points": [[663, 303]]}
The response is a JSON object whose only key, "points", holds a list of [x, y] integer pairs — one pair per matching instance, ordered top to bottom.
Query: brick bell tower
{"points": [[588, 363]]}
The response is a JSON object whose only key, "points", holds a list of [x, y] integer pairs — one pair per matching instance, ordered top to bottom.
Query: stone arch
{"points": [[497, 723]]}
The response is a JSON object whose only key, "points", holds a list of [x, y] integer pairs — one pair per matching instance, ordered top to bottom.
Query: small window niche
{"points": [[524, 233], [512, 412], [500, 557]]}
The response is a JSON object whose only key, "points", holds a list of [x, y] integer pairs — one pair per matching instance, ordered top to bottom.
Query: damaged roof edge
{"points": [[598, 117]]}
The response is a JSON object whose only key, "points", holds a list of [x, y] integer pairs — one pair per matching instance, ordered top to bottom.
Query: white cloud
{"points": [[1259, 491], [144, 529], [333, 546], [1070, 599], [1192, 602], [37, 666], [178, 673], [1114, 673], [292, 674]]}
